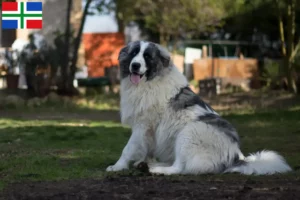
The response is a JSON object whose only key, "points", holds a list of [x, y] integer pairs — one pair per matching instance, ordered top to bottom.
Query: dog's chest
{"points": [[139, 108]]}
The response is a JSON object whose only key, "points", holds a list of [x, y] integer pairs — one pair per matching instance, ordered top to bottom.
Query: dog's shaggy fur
{"points": [[173, 125]]}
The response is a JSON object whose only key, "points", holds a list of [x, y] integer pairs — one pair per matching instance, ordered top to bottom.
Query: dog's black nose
{"points": [[135, 66]]}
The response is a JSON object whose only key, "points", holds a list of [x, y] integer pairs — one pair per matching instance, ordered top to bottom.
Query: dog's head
{"points": [[143, 61]]}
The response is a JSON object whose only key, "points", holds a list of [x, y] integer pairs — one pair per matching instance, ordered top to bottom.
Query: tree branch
{"points": [[281, 28], [294, 53]]}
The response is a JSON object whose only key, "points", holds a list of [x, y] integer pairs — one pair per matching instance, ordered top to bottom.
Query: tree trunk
{"points": [[291, 12], [119, 16], [281, 29], [281, 32], [162, 39], [175, 43], [76, 47], [283, 47], [65, 66], [281, 72]]}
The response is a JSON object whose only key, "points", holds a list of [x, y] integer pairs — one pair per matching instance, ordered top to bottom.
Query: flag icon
{"points": [[22, 15]]}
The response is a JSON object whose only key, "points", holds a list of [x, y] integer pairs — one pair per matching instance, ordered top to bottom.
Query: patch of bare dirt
{"points": [[271, 99], [153, 187]]}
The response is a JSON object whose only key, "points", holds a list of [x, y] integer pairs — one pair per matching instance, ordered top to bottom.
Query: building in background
{"points": [[102, 41]]}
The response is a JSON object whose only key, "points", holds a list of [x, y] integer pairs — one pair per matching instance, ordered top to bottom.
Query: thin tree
{"points": [[287, 37], [76, 46], [65, 65], [68, 68]]}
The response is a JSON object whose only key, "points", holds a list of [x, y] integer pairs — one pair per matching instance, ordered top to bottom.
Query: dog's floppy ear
{"points": [[123, 53], [164, 55]]}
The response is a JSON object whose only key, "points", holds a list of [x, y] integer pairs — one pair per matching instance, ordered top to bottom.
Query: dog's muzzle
{"points": [[135, 75]]}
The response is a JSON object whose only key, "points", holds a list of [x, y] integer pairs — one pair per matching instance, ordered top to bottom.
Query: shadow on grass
{"points": [[62, 114]]}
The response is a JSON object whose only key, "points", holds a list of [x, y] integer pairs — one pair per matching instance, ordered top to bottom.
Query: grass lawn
{"points": [[38, 150], [53, 150]]}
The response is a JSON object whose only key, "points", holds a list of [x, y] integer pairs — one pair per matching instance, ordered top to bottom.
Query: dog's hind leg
{"points": [[196, 154], [191, 156], [185, 163], [163, 168]]}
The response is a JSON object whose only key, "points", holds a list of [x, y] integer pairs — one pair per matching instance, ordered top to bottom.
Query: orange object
{"points": [[101, 51]]}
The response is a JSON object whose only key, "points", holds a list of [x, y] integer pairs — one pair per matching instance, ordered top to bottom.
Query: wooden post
{"points": [[204, 51], [212, 57]]}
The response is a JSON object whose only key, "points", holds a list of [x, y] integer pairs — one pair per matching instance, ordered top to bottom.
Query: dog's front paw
{"points": [[115, 168]]}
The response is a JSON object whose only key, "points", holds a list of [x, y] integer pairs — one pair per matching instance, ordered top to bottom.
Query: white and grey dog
{"points": [[173, 125]]}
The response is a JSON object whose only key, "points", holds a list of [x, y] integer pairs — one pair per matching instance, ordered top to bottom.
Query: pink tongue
{"points": [[135, 79]]}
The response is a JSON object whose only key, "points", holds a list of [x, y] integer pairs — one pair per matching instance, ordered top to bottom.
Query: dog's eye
{"points": [[135, 52], [147, 56]]}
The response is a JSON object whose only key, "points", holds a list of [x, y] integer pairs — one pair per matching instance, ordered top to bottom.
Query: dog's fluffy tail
{"points": [[264, 162]]}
